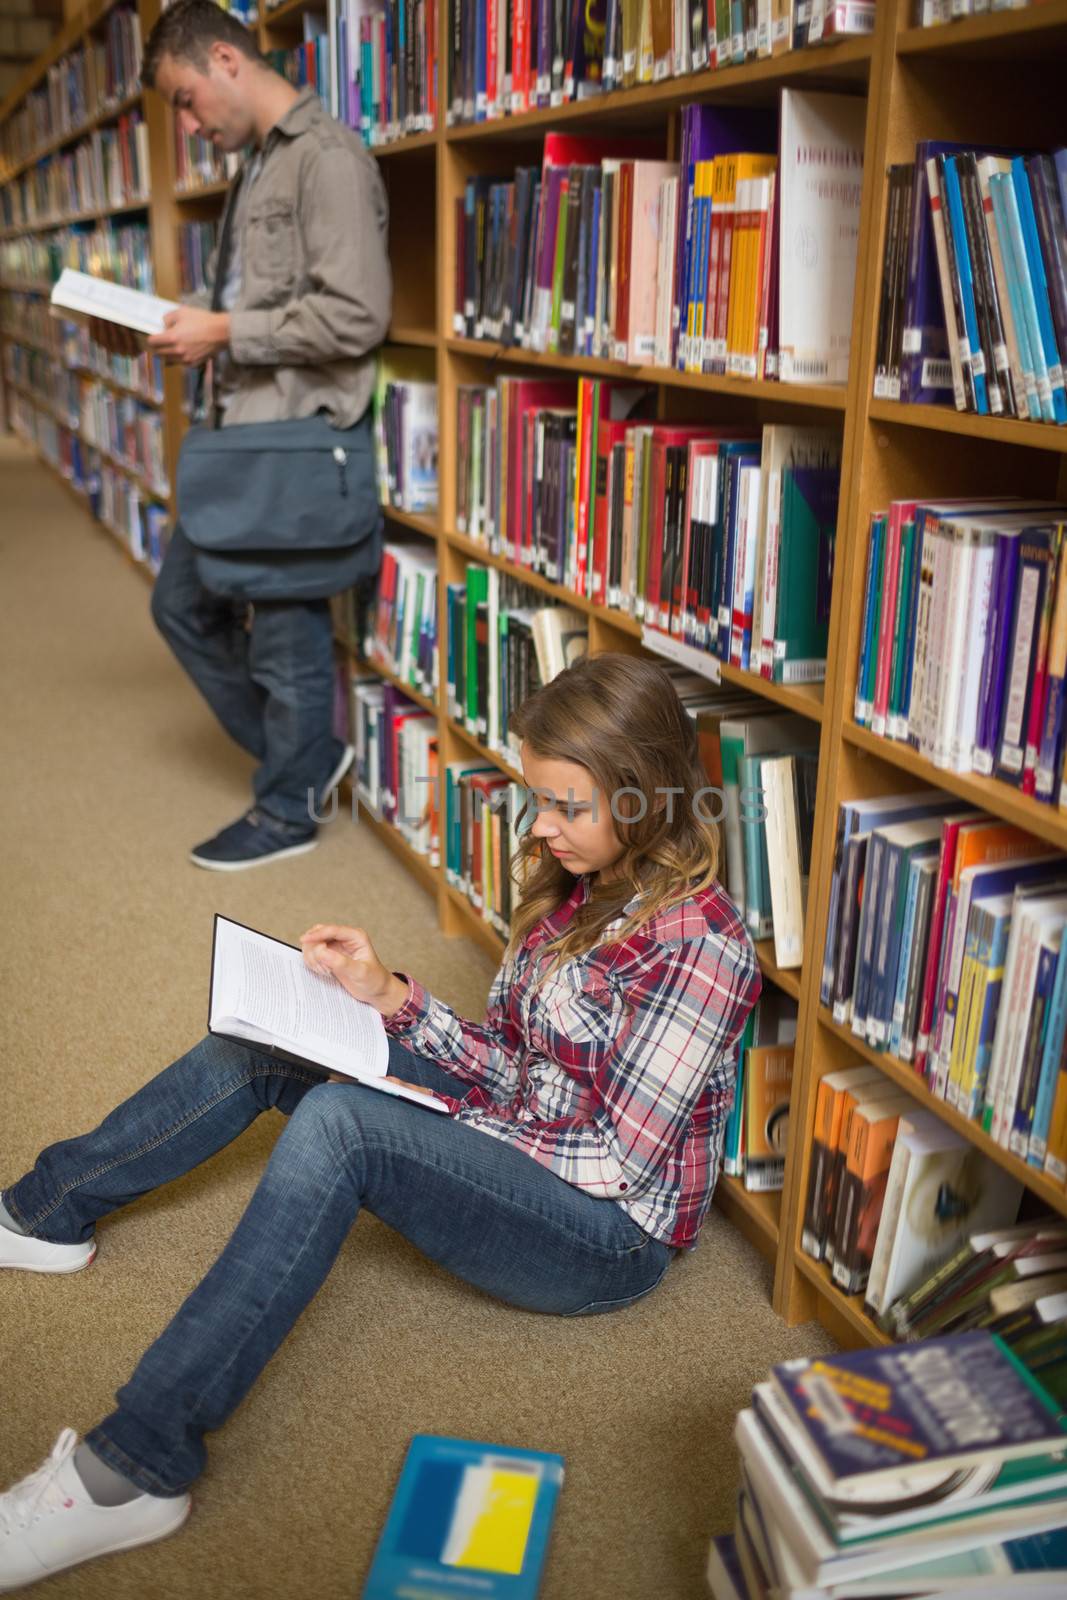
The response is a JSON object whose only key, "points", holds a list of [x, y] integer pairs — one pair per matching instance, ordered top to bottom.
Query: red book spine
{"points": [[520, 56], [491, 86], [656, 508]]}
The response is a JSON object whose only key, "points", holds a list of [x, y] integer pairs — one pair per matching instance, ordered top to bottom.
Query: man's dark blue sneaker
{"points": [[252, 841]]}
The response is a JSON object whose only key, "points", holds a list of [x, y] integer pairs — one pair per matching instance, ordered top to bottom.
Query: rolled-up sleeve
{"points": [[344, 314], [485, 1054]]}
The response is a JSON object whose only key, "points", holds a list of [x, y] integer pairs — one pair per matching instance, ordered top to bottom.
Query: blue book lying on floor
{"points": [[466, 1519]]}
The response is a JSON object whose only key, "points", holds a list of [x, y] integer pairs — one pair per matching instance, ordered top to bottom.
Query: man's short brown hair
{"points": [[187, 30]]}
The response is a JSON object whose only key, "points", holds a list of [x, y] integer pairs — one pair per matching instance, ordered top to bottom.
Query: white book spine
{"points": [[976, 627]]}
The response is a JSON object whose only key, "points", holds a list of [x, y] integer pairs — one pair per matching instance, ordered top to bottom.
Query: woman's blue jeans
{"points": [[479, 1207]]}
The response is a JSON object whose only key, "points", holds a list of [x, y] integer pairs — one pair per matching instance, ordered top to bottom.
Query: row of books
{"points": [[937, 13], [505, 60], [307, 65], [387, 70], [96, 74], [198, 162], [108, 168], [196, 241], [608, 251], [121, 253], [974, 282], [65, 375], [125, 429], [405, 432], [112, 497], [723, 541], [401, 632], [503, 643], [963, 645], [396, 764], [764, 764], [484, 816], [942, 949], [757, 1128], [892, 1190], [929, 1468]]}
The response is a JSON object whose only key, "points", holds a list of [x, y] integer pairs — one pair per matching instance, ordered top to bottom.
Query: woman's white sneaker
{"points": [[37, 1255], [49, 1522]]}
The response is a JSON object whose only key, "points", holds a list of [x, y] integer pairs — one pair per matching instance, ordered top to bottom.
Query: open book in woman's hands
{"points": [[263, 996]]}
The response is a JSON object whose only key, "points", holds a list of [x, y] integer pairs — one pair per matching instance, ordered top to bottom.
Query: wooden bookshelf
{"points": [[946, 82]]}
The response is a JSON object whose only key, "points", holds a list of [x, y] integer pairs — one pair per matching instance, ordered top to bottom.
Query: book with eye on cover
{"points": [[263, 997], [948, 1403]]}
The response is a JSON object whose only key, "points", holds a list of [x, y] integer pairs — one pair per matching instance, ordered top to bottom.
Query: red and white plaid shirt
{"points": [[619, 1072]]}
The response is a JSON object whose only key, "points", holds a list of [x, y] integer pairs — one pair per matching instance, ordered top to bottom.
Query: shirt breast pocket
{"points": [[270, 253], [588, 1011]]}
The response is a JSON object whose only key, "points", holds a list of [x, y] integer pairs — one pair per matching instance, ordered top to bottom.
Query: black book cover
{"points": [[569, 288], [990, 326], [676, 587]]}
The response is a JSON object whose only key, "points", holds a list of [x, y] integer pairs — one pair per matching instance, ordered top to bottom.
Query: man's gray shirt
{"points": [[315, 292]]}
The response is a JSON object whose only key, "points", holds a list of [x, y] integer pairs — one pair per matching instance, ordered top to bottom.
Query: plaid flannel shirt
{"points": [[619, 1072]]}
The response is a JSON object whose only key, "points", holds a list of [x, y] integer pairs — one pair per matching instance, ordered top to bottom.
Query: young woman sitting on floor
{"points": [[579, 1156]]}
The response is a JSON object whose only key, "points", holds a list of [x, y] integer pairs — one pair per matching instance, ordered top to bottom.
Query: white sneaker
{"points": [[37, 1255], [49, 1521]]}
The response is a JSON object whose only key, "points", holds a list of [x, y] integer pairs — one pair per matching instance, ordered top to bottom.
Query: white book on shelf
{"points": [[821, 172]]}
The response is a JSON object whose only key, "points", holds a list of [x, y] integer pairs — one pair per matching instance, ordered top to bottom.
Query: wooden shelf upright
{"points": [[916, 84]]}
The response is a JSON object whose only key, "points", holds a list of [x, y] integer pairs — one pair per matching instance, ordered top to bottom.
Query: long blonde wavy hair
{"points": [[618, 716]]}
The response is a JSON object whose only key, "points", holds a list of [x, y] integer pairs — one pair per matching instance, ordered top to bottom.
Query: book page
{"points": [[82, 295], [261, 988]]}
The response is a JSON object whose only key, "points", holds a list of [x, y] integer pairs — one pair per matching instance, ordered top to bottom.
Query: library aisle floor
{"points": [[114, 769]]}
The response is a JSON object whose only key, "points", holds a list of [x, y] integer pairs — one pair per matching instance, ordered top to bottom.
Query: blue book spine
{"points": [[480, 63], [1059, 161], [1004, 183], [955, 220], [1036, 263], [700, 278], [1015, 296], [681, 352], [996, 621], [910, 626], [999, 650], [864, 675], [865, 946], [887, 947], [992, 956], [904, 957], [1055, 1034], [1022, 1117]]}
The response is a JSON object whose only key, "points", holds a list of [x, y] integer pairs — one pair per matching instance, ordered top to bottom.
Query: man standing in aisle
{"points": [[299, 297]]}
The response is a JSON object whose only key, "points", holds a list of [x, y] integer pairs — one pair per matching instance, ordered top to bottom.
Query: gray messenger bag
{"points": [[281, 510]]}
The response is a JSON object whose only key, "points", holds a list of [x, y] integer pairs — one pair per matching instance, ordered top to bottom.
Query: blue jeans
{"points": [[270, 685], [480, 1208]]}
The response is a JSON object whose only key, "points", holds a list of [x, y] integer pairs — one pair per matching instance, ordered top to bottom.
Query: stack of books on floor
{"points": [[932, 1468]]}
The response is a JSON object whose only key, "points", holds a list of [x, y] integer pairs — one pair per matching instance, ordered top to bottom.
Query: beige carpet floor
{"points": [[112, 768]]}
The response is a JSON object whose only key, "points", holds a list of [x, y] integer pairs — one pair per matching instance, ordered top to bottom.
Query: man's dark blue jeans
{"points": [[270, 684], [480, 1208]]}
